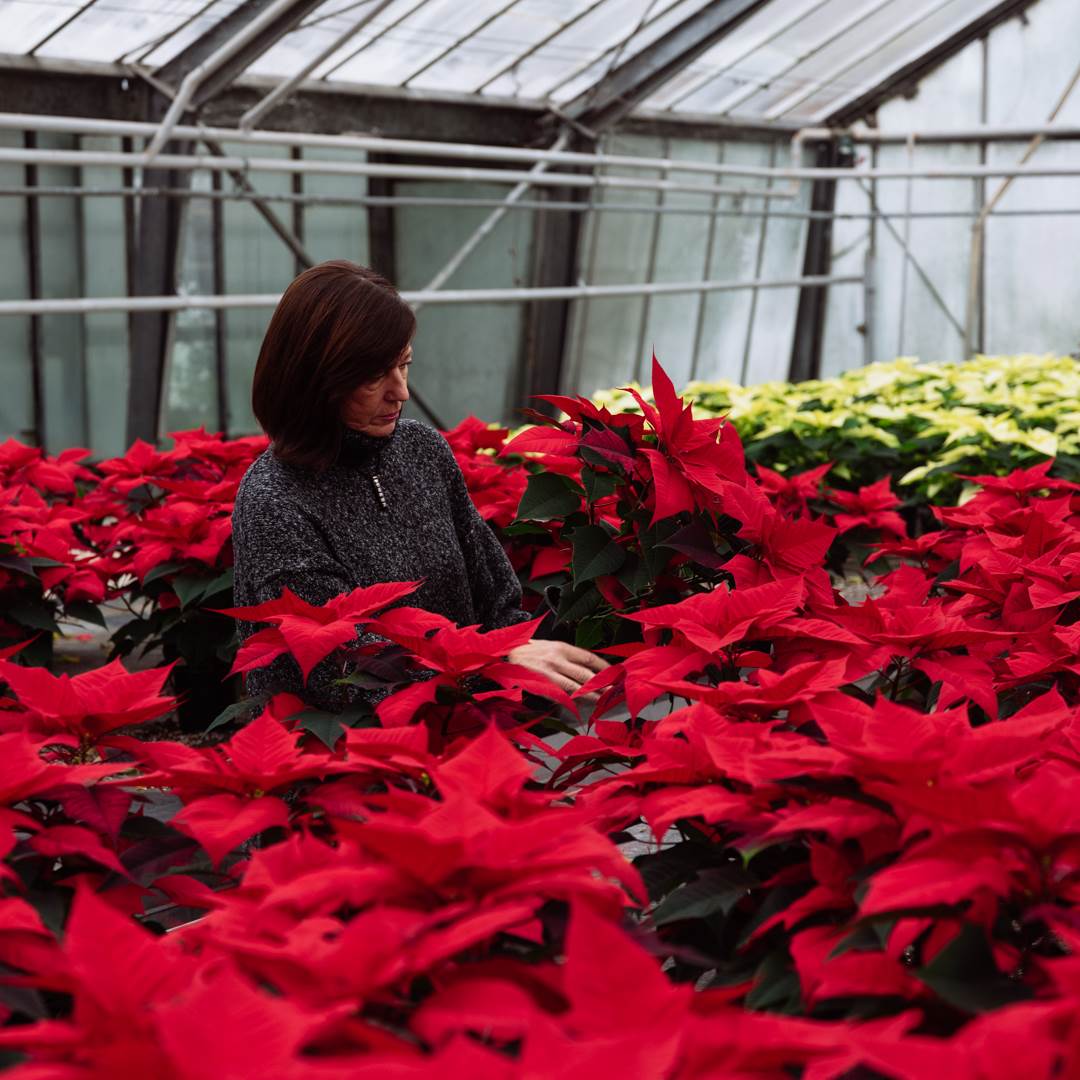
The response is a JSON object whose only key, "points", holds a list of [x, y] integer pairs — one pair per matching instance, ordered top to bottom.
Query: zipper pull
{"points": [[376, 483]]}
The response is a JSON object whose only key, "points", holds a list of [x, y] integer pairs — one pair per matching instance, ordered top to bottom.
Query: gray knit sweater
{"points": [[390, 509]]}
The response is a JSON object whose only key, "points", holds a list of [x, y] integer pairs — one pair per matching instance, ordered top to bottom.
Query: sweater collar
{"points": [[359, 448]]}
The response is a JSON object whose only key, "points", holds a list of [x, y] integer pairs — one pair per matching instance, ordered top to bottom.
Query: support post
{"points": [[817, 261], [556, 262], [33, 271]]}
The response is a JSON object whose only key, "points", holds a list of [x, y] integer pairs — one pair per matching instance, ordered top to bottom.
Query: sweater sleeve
{"points": [[285, 549], [495, 588]]}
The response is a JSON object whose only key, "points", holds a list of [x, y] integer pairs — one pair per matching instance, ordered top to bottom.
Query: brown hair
{"points": [[336, 326]]}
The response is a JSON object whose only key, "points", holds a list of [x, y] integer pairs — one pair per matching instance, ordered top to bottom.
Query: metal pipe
{"points": [[201, 72], [283, 89], [984, 133], [368, 143], [508, 154], [16, 156], [365, 168], [10, 191], [90, 305]]}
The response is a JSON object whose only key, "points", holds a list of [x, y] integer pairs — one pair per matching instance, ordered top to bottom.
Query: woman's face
{"points": [[373, 408]]}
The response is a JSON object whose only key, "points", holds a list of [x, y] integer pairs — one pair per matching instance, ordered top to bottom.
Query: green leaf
{"points": [[597, 485], [547, 497], [695, 541], [595, 553], [17, 564], [161, 570], [635, 575], [222, 583], [190, 588], [577, 604], [85, 611], [33, 612], [589, 633], [238, 708], [325, 726], [662, 870], [719, 888], [870, 936], [964, 974], [776, 988]]}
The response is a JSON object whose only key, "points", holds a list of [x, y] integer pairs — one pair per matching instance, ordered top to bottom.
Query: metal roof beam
{"points": [[218, 37], [905, 78], [631, 82]]}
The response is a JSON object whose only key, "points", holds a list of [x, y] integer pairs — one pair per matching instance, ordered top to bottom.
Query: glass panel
{"points": [[660, 18], [26, 22], [112, 27], [316, 33], [422, 36], [175, 42], [580, 44], [495, 48], [736, 48], [352, 56], [775, 62], [832, 62], [869, 73], [336, 232], [680, 255], [735, 255], [256, 261], [607, 331], [106, 333], [843, 346], [467, 355], [768, 355], [63, 356], [16, 372], [192, 397]]}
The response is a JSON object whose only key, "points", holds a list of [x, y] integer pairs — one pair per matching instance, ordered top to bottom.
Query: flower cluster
{"points": [[795, 834]]}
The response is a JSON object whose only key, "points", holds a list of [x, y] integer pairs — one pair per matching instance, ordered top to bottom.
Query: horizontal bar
{"points": [[996, 133], [367, 143], [119, 159], [307, 199], [94, 305]]}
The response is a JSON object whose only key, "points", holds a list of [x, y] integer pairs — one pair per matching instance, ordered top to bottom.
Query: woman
{"points": [[351, 494]]}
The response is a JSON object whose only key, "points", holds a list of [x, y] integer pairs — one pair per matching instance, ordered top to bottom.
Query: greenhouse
{"points": [[539, 539]]}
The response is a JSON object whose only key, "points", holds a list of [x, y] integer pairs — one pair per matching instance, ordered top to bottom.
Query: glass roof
{"points": [[794, 61]]}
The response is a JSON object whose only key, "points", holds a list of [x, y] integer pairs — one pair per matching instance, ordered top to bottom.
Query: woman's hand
{"points": [[567, 666]]}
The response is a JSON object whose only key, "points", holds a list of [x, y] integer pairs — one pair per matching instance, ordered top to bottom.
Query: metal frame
{"points": [[774, 32], [538, 45], [221, 66], [901, 79], [285, 88], [737, 97], [797, 97], [610, 99], [187, 162], [547, 205], [33, 273], [85, 306], [809, 334]]}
